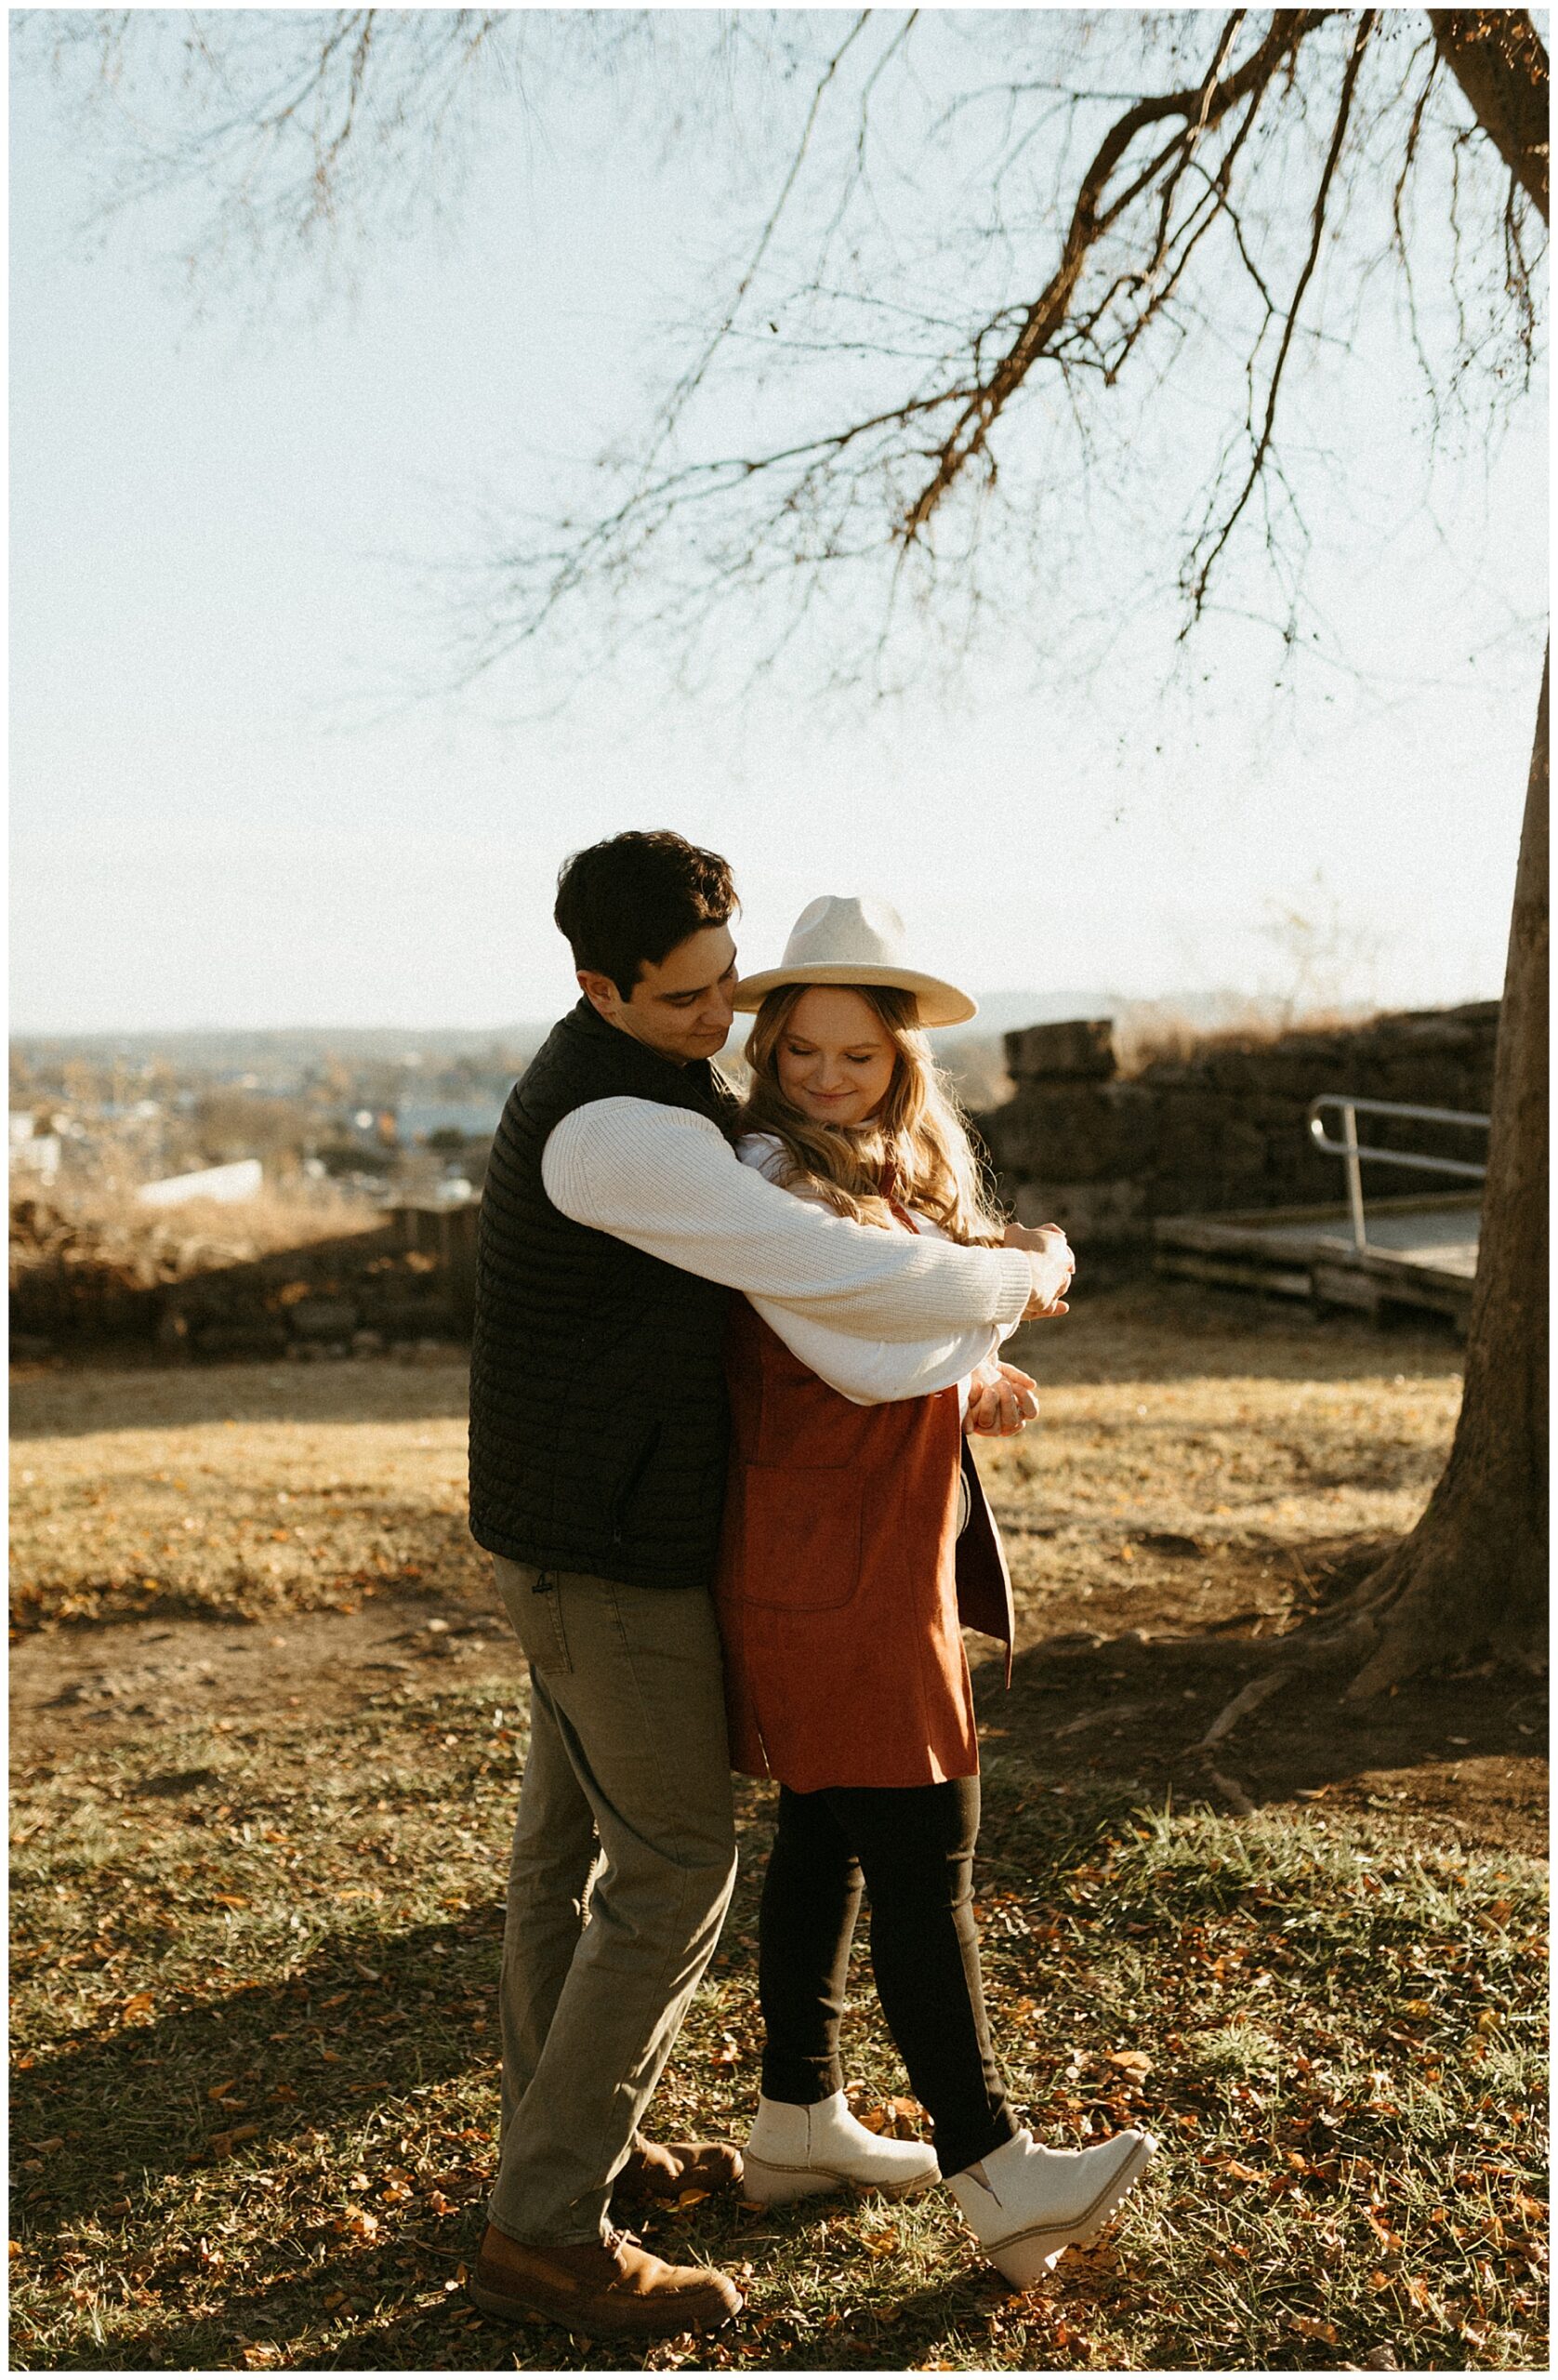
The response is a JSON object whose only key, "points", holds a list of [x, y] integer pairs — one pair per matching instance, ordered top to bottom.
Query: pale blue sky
{"points": [[209, 595]]}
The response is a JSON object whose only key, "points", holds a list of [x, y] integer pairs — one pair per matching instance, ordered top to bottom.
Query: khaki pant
{"points": [[627, 1766]]}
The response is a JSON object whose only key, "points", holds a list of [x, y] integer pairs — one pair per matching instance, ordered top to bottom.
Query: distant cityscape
{"points": [[384, 1112], [378, 1113]]}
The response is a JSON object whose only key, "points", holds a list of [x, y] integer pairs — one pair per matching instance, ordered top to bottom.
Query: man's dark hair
{"points": [[625, 904]]}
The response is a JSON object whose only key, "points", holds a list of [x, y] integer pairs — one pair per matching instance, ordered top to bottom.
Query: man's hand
{"points": [[1049, 1253], [1002, 1401]]}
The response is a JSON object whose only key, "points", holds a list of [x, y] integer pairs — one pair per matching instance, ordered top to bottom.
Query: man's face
{"points": [[682, 1008]]}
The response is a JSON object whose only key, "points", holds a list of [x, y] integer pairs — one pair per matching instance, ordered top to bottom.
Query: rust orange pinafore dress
{"points": [[843, 1584]]}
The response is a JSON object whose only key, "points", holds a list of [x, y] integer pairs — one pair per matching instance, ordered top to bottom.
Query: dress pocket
{"points": [[800, 1536]]}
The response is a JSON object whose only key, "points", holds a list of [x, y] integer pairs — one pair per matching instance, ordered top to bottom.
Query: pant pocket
{"points": [[533, 1600]]}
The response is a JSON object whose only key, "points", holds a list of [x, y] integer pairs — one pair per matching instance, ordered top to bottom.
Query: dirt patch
{"points": [[112, 1684], [1458, 1759]]}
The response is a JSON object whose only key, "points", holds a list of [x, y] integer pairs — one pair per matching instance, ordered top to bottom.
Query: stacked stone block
{"points": [[1224, 1129]]}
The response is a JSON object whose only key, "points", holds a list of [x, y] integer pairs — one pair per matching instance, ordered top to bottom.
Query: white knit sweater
{"points": [[667, 1181], [870, 1371]]}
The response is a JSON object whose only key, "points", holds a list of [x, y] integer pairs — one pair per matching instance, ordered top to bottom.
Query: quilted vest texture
{"points": [[598, 1423]]}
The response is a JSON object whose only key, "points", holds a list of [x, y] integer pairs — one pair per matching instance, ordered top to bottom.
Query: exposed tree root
{"points": [[1407, 1617], [1249, 1696], [1232, 1792]]}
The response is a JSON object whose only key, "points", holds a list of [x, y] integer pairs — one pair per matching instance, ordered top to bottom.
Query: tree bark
{"points": [[1497, 57], [1472, 1576]]}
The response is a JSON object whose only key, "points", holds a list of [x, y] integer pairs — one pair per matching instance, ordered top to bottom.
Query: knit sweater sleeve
{"points": [[667, 1181], [868, 1371]]}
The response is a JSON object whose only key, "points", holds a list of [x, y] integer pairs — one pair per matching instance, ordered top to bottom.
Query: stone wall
{"points": [[1224, 1128], [404, 1286]]}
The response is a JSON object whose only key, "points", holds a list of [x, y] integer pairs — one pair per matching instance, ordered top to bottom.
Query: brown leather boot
{"points": [[658, 2171], [600, 2288]]}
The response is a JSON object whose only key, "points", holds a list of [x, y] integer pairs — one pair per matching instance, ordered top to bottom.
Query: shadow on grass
{"points": [[103, 1395], [367, 2016], [358, 2022], [149, 2241], [394, 2312], [411, 2322]]}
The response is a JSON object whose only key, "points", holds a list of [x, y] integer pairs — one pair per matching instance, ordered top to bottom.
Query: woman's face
{"points": [[835, 1057]]}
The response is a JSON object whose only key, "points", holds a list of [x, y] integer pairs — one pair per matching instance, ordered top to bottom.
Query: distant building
{"points": [[32, 1153], [228, 1184]]}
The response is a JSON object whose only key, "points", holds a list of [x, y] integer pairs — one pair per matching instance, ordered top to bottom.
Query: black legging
{"points": [[915, 1845]]}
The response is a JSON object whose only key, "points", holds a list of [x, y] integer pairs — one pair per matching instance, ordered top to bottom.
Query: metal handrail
{"points": [[1355, 1158]]}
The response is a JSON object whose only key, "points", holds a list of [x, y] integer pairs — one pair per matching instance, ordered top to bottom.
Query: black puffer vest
{"points": [[597, 1414]]}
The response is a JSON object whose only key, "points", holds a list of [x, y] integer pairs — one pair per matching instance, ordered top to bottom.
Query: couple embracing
{"points": [[727, 1356]]}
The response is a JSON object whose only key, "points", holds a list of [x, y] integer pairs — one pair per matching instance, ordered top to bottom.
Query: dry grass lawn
{"points": [[1185, 1442], [256, 1894]]}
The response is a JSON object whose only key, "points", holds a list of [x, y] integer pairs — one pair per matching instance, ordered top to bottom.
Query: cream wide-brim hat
{"points": [[842, 939]]}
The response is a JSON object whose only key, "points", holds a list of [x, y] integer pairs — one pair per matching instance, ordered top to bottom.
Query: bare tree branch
{"points": [[1198, 109], [301, 130], [692, 379], [1201, 575]]}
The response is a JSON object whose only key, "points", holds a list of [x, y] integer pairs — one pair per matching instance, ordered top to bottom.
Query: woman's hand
{"points": [[1049, 1253], [1002, 1401]]}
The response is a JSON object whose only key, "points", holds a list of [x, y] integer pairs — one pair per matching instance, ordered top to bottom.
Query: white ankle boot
{"points": [[799, 2153], [1025, 2204]]}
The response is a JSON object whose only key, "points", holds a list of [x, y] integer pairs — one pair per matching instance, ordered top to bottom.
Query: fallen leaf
{"points": [[140, 2004], [1133, 2061], [221, 2144]]}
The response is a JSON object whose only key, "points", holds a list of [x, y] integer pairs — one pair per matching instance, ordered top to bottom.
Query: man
{"points": [[616, 1220]]}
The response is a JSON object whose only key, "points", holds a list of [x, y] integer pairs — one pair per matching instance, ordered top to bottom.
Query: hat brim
{"points": [[937, 1003]]}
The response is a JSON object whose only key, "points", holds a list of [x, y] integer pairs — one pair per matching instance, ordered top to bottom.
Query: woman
{"points": [[857, 1542]]}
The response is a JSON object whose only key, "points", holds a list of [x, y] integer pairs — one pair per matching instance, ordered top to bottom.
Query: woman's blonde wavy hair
{"points": [[917, 1140]]}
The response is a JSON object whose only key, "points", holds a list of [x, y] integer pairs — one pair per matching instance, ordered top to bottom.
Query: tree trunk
{"points": [[1497, 57], [1472, 1576]]}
